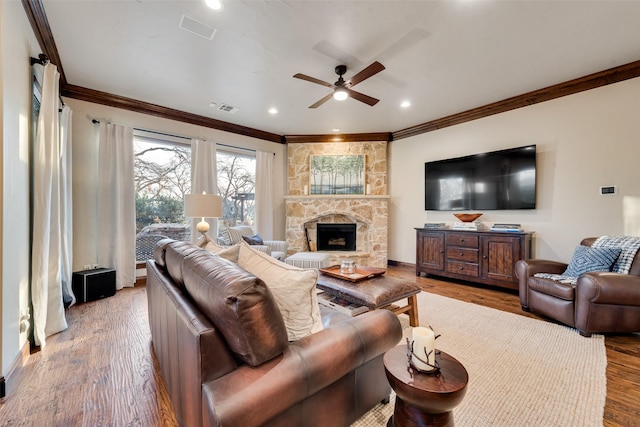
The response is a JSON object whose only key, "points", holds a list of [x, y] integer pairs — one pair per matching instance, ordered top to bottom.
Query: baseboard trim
{"points": [[394, 263], [15, 368]]}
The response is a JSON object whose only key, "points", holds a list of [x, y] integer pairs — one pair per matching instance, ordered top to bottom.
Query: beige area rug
{"points": [[522, 371]]}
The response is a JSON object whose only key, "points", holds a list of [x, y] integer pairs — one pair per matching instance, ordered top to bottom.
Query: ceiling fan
{"points": [[342, 89]]}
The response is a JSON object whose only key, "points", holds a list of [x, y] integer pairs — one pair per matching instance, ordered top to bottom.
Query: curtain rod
{"points": [[96, 121], [236, 148]]}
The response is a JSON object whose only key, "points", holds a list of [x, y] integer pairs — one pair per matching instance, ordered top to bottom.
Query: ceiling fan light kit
{"points": [[341, 88], [340, 94]]}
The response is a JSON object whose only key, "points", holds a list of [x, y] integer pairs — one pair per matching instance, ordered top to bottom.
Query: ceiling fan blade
{"points": [[371, 70], [312, 80], [362, 97], [322, 101]]}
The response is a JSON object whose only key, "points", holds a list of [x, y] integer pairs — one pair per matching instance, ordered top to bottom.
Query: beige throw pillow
{"points": [[212, 247], [230, 253], [293, 288]]}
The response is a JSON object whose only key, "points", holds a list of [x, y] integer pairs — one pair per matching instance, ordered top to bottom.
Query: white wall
{"points": [[17, 45], [583, 141], [85, 163]]}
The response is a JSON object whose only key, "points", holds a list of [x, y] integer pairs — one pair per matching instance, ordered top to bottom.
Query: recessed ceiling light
{"points": [[214, 4], [212, 104], [405, 104], [273, 111], [336, 129]]}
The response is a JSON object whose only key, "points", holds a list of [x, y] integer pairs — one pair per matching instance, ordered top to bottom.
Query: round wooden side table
{"points": [[423, 399]]}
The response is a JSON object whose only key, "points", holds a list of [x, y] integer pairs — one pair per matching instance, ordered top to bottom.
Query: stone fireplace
{"points": [[369, 212]]}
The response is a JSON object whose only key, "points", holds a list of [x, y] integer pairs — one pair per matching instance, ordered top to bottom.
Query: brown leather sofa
{"points": [[600, 302], [226, 360]]}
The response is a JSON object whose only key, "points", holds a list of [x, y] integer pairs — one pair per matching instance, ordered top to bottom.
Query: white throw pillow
{"points": [[231, 253], [293, 288]]}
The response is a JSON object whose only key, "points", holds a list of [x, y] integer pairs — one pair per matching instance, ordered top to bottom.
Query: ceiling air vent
{"points": [[197, 27], [227, 108]]}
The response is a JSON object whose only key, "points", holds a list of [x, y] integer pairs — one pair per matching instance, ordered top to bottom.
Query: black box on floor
{"points": [[90, 285]]}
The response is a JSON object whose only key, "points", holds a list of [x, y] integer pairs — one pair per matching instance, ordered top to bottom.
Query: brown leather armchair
{"points": [[600, 302]]}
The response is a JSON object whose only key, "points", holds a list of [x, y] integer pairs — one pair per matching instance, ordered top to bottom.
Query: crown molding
{"points": [[40, 25], [592, 81], [104, 98], [350, 137]]}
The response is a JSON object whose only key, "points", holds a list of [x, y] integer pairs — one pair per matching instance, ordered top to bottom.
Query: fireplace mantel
{"points": [[337, 196]]}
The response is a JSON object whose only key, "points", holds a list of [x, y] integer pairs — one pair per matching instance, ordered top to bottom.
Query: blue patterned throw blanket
{"points": [[628, 246], [569, 280]]}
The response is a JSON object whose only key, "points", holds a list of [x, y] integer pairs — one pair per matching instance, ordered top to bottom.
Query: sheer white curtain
{"points": [[204, 177], [264, 194], [66, 201], [116, 203], [51, 244]]}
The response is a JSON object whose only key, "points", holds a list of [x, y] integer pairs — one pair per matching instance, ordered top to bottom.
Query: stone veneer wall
{"points": [[299, 160], [369, 212]]}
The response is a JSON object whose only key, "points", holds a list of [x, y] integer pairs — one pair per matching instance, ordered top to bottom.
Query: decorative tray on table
{"points": [[361, 273]]}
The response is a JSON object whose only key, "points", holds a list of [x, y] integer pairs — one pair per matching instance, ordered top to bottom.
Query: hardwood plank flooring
{"points": [[101, 371]]}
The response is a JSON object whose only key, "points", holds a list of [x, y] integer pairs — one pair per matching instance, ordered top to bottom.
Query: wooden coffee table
{"points": [[376, 292], [424, 399]]}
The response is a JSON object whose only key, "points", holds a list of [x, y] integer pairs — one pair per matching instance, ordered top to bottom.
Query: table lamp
{"points": [[202, 206]]}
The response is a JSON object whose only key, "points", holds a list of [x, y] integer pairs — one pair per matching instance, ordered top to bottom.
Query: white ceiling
{"points": [[445, 57]]}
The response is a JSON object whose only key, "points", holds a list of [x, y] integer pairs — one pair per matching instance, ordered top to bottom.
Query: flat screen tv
{"points": [[504, 179]]}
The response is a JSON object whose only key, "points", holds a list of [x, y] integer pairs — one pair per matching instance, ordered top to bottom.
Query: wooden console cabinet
{"points": [[485, 257]]}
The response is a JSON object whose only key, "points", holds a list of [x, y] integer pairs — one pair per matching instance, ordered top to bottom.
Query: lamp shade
{"points": [[202, 206]]}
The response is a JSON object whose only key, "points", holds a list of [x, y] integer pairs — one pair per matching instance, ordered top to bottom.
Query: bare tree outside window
{"points": [[163, 177], [236, 186]]}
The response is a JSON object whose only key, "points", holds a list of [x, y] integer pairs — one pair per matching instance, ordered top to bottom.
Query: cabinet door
{"points": [[430, 248], [499, 256]]}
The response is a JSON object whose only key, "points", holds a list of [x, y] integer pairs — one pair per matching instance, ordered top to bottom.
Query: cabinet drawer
{"points": [[463, 239], [462, 254], [463, 268]]}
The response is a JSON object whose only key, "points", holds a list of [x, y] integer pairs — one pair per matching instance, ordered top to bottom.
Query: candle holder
{"points": [[435, 368]]}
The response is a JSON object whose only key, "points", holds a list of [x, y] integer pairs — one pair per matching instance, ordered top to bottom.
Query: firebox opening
{"points": [[336, 236]]}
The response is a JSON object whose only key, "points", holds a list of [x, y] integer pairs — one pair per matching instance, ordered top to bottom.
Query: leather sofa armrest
{"points": [[526, 268], [608, 288], [253, 396]]}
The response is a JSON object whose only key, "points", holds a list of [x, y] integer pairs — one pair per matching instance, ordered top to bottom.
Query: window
{"points": [[162, 173], [236, 186]]}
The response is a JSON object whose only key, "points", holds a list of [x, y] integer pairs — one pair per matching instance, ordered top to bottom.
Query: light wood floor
{"points": [[101, 372]]}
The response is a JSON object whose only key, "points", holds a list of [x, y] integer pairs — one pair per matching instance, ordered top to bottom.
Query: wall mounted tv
{"points": [[504, 179]]}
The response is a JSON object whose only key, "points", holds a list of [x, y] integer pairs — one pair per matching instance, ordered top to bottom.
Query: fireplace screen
{"points": [[336, 237]]}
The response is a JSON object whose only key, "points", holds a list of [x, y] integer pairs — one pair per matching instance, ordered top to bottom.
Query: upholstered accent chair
{"points": [[230, 236], [604, 301]]}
